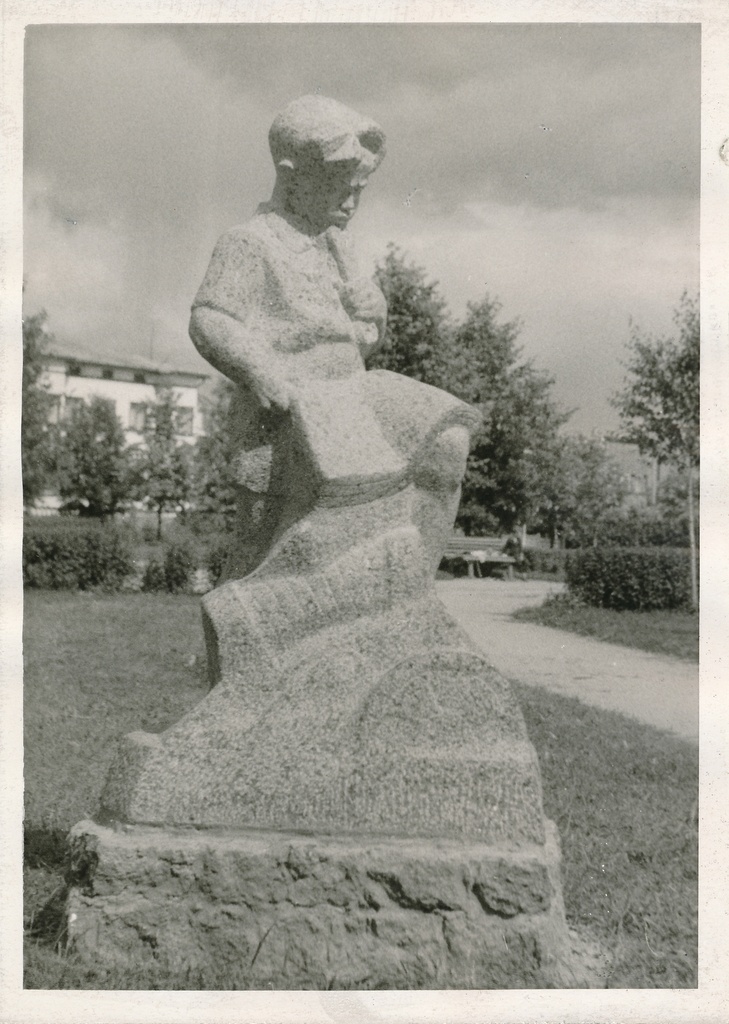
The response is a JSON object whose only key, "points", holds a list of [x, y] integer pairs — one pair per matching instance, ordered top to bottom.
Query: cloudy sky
{"points": [[554, 167]]}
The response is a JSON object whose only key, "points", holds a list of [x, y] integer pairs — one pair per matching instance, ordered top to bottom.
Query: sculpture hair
{"points": [[316, 128]]}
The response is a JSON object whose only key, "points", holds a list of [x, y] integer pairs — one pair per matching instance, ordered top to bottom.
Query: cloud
{"points": [[525, 113], [545, 114], [133, 163], [554, 165], [69, 260], [573, 277]]}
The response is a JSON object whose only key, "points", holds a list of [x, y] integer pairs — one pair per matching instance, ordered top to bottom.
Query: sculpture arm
{"points": [[230, 324], [231, 347]]}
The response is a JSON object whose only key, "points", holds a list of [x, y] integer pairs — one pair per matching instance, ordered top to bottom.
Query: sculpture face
{"points": [[323, 153], [326, 195]]}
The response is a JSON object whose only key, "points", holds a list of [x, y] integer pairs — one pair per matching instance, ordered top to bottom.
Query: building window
{"points": [[74, 369], [107, 373], [139, 377], [138, 417], [183, 421]]}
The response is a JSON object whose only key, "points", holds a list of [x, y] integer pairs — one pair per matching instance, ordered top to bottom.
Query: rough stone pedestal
{"points": [[285, 910]]}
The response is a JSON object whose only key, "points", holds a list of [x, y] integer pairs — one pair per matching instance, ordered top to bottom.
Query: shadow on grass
{"points": [[44, 846], [45, 860], [48, 925]]}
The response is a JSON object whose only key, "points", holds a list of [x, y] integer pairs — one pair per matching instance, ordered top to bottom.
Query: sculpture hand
{"points": [[363, 300], [272, 393]]}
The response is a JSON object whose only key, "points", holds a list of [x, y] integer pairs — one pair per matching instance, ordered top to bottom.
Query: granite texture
{"points": [[345, 703], [340, 708], [290, 911]]}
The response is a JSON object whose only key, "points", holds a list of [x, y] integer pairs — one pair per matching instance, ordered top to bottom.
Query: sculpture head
{"points": [[324, 153]]}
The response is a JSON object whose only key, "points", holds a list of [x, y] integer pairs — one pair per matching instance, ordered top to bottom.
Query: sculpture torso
{"points": [[283, 285]]}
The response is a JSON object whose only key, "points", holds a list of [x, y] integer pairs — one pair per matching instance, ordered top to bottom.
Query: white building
{"points": [[74, 376], [127, 381]]}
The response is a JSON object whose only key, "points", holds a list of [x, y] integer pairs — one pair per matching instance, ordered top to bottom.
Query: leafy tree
{"points": [[418, 323], [483, 353], [480, 362], [659, 403], [35, 431], [512, 458], [92, 461], [162, 463], [213, 479], [583, 488], [672, 497], [638, 526]]}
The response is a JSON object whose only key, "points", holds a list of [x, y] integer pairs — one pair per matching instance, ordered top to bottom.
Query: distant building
{"points": [[73, 376], [127, 381]]}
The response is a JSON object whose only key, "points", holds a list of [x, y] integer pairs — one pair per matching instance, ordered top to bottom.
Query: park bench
{"points": [[479, 553]]}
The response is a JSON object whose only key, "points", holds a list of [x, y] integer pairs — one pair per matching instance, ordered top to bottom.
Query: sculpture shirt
{"points": [[283, 285]]}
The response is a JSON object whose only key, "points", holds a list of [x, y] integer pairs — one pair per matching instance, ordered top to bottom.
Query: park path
{"points": [[657, 689]]}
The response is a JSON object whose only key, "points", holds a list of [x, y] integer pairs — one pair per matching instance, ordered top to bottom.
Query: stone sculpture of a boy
{"points": [[282, 303], [359, 779]]}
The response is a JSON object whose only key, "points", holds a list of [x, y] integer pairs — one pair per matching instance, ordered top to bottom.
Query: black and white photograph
{"points": [[355, 478]]}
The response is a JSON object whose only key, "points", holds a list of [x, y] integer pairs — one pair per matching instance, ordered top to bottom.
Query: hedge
{"points": [[642, 528], [71, 554], [216, 557], [550, 560], [174, 573], [637, 579]]}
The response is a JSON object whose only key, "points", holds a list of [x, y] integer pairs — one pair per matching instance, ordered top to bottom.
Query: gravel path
{"points": [[657, 689]]}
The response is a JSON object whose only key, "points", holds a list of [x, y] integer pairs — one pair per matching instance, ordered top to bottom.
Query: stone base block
{"points": [[290, 911]]}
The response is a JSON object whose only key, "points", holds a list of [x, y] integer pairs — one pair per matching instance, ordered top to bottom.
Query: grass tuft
{"points": [[675, 633], [624, 798]]}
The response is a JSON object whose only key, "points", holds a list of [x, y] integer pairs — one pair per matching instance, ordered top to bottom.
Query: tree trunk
{"points": [[159, 522], [692, 538]]}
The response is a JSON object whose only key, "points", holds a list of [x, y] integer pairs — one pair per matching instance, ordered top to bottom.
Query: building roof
{"points": [[119, 360]]}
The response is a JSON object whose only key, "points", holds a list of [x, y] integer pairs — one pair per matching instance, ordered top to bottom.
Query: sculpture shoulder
{"points": [[241, 243], [237, 270]]}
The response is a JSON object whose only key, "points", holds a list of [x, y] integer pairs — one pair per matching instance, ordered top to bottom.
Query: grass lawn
{"points": [[662, 632], [622, 794]]}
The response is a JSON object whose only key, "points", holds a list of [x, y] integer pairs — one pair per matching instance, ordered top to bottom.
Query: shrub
{"points": [[202, 523], [638, 527], [149, 533], [71, 554], [217, 555], [539, 560], [179, 565], [171, 573], [630, 578], [153, 579]]}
